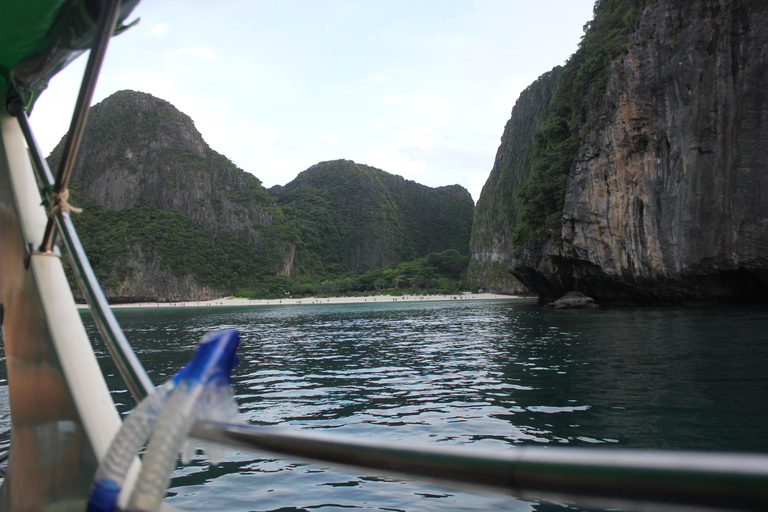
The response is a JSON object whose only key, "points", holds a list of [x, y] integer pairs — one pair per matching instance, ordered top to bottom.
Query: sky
{"points": [[418, 88]]}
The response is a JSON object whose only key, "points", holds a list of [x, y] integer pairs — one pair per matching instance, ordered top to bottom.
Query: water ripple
{"points": [[490, 374]]}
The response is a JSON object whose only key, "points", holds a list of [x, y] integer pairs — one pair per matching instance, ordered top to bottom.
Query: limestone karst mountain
{"points": [[644, 178], [356, 217], [168, 218]]}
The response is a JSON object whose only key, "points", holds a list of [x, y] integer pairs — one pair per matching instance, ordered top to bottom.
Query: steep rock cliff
{"points": [[142, 159], [670, 198], [666, 200], [497, 209], [355, 217]]}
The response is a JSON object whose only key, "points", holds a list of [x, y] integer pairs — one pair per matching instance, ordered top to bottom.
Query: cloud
{"points": [[159, 30], [200, 53]]}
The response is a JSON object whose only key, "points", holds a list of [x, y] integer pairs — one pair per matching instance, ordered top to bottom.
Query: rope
{"points": [[59, 203]]}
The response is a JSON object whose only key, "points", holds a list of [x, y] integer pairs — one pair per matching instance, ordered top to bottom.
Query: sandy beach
{"points": [[226, 301]]}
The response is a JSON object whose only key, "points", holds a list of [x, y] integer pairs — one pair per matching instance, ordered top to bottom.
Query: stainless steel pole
{"points": [[106, 26], [133, 373], [635, 479]]}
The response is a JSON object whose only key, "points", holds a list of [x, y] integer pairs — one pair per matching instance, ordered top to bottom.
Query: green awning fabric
{"points": [[38, 38]]}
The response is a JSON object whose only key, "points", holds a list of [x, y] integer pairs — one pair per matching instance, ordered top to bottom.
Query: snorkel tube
{"points": [[200, 390]]}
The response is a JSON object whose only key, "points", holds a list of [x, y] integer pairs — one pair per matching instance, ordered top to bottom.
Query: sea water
{"points": [[489, 374]]}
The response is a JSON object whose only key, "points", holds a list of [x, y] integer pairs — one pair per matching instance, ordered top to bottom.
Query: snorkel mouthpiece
{"points": [[215, 359]]}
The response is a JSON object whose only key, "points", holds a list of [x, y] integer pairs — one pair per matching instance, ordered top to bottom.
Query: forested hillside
{"points": [[353, 217], [168, 218]]}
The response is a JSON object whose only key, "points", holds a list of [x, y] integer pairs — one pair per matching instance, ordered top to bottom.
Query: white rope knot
{"points": [[60, 203]]}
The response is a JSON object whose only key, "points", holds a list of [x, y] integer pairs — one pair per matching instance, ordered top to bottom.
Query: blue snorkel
{"points": [[200, 390]]}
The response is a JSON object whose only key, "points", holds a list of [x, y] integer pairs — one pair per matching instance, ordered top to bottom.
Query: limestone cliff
{"points": [[147, 177], [667, 198], [497, 210]]}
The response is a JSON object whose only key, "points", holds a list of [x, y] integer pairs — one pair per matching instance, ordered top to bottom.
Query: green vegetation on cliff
{"points": [[581, 87], [353, 217], [112, 239], [115, 240], [437, 273]]}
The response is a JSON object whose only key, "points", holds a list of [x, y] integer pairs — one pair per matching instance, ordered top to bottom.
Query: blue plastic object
{"points": [[215, 358], [200, 390], [104, 494]]}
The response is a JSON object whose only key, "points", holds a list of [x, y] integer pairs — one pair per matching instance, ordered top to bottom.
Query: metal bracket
{"points": [[30, 251]]}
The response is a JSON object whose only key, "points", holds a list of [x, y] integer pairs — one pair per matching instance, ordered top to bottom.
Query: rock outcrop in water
{"points": [[666, 199], [573, 300]]}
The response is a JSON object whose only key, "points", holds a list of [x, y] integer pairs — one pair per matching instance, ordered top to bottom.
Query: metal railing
{"points": [[104, 30], [131, 370], [637, 479]]}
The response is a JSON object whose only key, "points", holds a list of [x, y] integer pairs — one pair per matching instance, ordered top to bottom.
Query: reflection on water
{"points": [[492, 374]]}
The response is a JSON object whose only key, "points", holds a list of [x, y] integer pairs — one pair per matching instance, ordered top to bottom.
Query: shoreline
{"points": [[309, 301]]}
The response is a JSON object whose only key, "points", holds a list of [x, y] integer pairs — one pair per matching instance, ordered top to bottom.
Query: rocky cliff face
{"points": [[141, 149], [139, 152], [668, 199], [497, 209], [355, 217], [152, 280]]}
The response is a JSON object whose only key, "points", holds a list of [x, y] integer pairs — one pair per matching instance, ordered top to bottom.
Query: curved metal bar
{"points": [[107, 21], [133, 373], [637, 479]]}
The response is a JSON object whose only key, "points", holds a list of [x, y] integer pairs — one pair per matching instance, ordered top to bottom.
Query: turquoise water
{"points": [[491, 374]]}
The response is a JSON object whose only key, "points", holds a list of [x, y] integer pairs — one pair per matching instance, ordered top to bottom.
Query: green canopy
{"points": [[38, 38]]}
